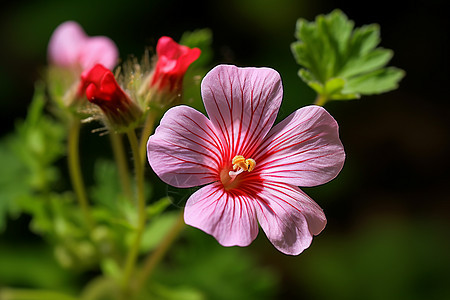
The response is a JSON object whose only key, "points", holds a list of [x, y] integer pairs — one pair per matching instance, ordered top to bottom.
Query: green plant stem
{"points": [[321, 100], [146, 131], [73, 157], [120, 157], [134, 250], [156, 256], [24, 294]]}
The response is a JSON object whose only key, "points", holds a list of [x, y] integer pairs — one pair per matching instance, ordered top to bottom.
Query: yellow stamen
{"points": [[240, 164], [251, 164]]}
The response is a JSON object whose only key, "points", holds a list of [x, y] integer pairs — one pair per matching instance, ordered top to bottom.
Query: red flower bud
{"points": [[173, 62], [103, 90]]}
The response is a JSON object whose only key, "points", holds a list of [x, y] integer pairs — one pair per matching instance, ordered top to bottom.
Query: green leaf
{"points": [[202, 39], [341, 62], [376, 82], [27, 157], [12, 182], [158, 207], [157, 229], [159, 291]]}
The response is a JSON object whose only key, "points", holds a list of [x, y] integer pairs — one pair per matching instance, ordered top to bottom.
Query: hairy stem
{"points": [[146, 131], [73, 157], [120, 157], [132, 256]]}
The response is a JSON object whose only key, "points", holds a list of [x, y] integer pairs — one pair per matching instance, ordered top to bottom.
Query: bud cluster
{"points": [[120, 101]]}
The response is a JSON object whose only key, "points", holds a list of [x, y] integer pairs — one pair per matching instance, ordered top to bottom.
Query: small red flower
{"points": [[173, 62], [103, 90]]}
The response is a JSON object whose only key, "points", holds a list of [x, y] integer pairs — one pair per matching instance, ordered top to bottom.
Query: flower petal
{"points": [[65, 44], [69, 46], [99, 49], [173, 57], [242, 103], [185, 150], [303, 150], [288, 217], [230, 218]]}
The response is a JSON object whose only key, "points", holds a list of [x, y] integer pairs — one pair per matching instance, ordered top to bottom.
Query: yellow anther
{"points": [[239, 162], [251, 164]]}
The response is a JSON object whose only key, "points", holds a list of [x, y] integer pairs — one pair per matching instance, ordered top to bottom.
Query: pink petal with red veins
{"points": [[65, 44], [100, 50], [242, 103], [303, 150], [185, 151], [288, 217], [231, 219]]}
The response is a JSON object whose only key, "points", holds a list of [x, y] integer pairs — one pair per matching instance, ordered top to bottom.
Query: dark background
{"points": [[388, 211]]}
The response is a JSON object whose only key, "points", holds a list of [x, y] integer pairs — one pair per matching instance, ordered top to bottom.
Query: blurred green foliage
{"points": [[386, 258]]}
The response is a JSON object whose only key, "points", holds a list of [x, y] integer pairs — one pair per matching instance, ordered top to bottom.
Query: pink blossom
{"points": [[70, 47], [249, 170]]}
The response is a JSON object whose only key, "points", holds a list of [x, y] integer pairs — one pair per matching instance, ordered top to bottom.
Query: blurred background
{"points": [[388, 211]]}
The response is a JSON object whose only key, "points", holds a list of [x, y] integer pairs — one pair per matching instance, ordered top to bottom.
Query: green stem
{"points": [[321, 100], [146, 131], [73, 157], [120, 157], [134, 250], [156, 256], [23, 294]]}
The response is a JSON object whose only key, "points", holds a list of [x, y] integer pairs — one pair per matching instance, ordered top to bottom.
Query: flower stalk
{"points": [[320, 100], [146, 131], [120, 158], [76, 178], [133, 253]]}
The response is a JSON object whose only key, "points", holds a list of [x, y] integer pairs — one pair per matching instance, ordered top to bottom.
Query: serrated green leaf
{"points": [[332, 52], [366, 63], [308, 78], [375, 82], [334, 86], [333, 89]]}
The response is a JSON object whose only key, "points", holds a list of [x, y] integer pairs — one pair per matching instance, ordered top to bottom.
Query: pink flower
{"points": [[70, 47], [173, 62], [103, 90], [249, 170]]}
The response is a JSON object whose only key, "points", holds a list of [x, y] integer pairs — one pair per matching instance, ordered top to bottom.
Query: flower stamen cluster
{"points": [[240, 164]]}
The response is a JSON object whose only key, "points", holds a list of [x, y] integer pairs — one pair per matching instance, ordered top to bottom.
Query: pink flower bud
{"points": [[70, 47]]}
